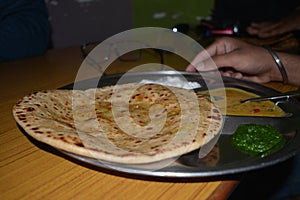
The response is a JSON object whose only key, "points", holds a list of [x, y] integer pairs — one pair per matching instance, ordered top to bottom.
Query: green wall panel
{"points": [[167, 13]]}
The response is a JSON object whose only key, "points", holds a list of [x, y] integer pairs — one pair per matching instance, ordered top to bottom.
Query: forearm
{"points": [[292, 66]]}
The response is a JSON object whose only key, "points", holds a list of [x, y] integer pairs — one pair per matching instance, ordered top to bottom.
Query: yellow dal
{"points": [[232, 106]]}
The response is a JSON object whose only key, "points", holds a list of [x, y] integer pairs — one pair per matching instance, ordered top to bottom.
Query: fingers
{"points": [[223, 52], [201, 61], [214, 63], [202, 66], [205, 66], [190, 68], [232, 74], [238, 75], [254, 79]]}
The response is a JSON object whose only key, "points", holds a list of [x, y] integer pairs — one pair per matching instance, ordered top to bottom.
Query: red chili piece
{"points": [[256, 110]]}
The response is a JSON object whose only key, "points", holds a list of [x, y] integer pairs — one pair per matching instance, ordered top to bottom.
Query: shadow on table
{"points": [[59, 153], [281, 181]]}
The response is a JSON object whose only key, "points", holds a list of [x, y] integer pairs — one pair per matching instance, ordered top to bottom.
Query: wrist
{"points": [[280, 74]]}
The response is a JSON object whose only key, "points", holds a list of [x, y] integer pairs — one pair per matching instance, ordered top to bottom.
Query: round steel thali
{"points": [[225, 159]]}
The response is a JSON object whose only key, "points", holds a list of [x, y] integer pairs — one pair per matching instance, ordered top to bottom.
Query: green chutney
{"points": [[257, 139]]}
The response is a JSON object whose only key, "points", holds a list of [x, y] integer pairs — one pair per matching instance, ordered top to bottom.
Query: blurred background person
{"points": [[252, 15], [288, 23], [24, 29]]}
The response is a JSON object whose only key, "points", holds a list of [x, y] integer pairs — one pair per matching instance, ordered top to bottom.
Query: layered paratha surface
{"points": [[130, 123]]}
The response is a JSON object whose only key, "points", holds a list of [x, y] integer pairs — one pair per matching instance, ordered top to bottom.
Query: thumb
{"points": [[198, 60], [214, 63], [205, 65], [190, 68]]}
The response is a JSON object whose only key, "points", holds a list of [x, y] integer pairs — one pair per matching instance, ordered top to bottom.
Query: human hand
{"points": [[269, 29], [237, 59]]}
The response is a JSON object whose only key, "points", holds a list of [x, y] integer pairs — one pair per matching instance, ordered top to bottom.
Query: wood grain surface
{"points": [[29, 170]]}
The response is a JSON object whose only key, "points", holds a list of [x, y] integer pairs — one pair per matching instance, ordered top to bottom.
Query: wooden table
{"points": [[30, 172]]}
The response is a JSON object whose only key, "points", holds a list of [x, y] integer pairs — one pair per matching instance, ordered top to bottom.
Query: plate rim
{"points": [[160, 173]]}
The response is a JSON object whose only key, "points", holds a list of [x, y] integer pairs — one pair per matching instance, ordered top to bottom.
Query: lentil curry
{"points": [[234, 107]]}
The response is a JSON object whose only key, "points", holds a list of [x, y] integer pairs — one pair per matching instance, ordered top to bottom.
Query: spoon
{"points": [[284, 97]]}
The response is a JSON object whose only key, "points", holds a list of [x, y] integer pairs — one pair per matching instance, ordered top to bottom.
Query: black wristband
{"points": [[278, 63]]}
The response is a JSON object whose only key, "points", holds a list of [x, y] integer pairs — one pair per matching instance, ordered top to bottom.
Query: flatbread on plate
{"points": [[129, 123]]}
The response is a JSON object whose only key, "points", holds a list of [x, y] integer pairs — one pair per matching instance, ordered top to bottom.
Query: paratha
{"points": [[161, 122]]}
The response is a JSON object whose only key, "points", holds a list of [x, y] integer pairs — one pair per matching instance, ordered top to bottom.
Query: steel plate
{"points": [[230, 161]]}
